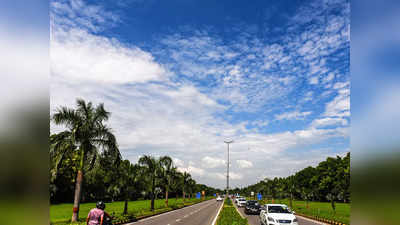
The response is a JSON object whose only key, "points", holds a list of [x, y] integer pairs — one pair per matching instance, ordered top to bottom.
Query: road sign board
{"points": [[252, 193]]}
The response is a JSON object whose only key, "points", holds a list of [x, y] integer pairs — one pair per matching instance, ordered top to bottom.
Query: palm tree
{"points": [[86, 135], [151, 168], [167, 168], [129, 175], [185, 180], [176, 184], [191, 186]]}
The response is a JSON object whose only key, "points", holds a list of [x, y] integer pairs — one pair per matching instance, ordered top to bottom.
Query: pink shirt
{"points": [[94, 216]]}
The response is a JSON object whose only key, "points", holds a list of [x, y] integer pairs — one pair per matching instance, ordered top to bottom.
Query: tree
{"points": [[86, 135], [151, 168], [167, 170], [185, 180], [176, 184]]}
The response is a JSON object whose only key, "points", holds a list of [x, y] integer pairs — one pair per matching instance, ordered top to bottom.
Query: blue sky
{"points": [[180, 77]]}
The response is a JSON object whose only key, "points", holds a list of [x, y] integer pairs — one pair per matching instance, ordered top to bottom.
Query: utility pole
{"points": [[227, 169]]}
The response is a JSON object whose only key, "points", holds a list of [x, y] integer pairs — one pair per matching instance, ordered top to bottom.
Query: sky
{"points": [[181, 77]]}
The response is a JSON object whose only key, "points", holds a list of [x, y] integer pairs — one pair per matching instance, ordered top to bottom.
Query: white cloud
{"points": [[81, 56], [328, 78], [314, 80], [340, 105], [295, 115], [329, 121], [178, 162], [209, 162], [244, 164], [194, 171], [235, 176]]}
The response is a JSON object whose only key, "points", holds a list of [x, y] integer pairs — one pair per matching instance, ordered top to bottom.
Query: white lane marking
{"points": [[237, 209], [172, 211], [185, 216], [216, 217], [178, 220], [314, 221]]}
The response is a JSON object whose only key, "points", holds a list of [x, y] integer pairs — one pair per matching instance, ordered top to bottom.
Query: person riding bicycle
{"points": [[97, 215]]}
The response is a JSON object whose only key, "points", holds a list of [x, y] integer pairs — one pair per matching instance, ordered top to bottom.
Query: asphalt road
{"points": [[199, 214], [255, 219]]}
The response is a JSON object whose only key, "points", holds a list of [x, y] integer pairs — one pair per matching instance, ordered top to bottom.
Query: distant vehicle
{"points": [[219, 198], [238, 198], [241, 202], [252, 207], [273, 214]]}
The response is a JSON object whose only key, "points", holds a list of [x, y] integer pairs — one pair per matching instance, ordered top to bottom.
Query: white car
{"points": [[219, 198], [241, 202], [277, 214]]}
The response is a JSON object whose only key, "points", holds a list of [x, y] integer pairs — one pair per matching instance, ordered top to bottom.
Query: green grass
{"points": [[319, 209], [62, 213], [230, 216]]}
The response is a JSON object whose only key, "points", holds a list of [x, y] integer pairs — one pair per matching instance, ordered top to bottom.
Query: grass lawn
{"points": [[320, 209], [62, 213], [230, 216]]}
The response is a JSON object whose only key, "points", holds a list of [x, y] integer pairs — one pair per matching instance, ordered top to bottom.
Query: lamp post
{"points": [[227, 169]]}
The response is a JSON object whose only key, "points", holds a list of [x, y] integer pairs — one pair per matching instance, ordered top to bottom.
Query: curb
{"points": [[320, 219]]}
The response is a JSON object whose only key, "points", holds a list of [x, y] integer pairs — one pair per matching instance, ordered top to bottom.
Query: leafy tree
{"points": [[85, 136], [151, 168], [167, 171], [185, 180]]}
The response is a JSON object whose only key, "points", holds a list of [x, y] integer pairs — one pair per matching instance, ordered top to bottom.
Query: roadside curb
{"points": [[234, 205], [319, 219]]}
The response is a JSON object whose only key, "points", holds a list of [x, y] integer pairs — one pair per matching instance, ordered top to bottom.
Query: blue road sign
{"points": [[198, 195], [215, 195], [259, 196]]}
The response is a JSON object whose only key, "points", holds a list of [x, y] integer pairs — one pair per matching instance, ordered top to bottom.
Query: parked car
{"points": [[219, 198], [241, 202], [252, 207], [275, 214]]}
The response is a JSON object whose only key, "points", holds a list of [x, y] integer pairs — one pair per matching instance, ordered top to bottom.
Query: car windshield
{"points": [[252, 202], [278, 209]]}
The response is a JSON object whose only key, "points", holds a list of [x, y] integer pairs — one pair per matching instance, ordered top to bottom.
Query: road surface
{"points": [[199, 214], [255, 219]]}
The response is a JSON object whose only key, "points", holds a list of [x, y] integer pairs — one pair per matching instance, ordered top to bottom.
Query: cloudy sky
{"points": [[180, 77]]}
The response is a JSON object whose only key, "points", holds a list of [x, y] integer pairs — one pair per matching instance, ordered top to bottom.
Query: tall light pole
{"points": [[227, 169]]}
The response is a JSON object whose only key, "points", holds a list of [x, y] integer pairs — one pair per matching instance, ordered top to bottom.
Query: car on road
{"points": [[219, 198], [241, 202], [252, 207], [277, 214]]}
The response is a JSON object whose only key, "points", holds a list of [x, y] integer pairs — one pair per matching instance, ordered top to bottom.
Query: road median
{"points": [[230, 215]]}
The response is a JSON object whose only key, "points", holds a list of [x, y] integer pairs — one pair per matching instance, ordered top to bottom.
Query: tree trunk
{"points": [[152, 194], [183, 195], [77, 196], [166, 198], [126, 206]]}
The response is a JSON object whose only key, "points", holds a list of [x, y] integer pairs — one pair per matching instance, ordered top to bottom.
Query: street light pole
{"points": [[227, 169]]}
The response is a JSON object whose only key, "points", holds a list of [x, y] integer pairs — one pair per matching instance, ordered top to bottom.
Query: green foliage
{"points": [[329, 181], [230, 216]]}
